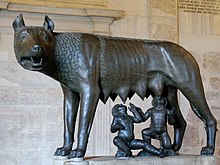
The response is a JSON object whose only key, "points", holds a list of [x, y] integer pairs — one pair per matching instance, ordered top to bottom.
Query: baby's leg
{"points": [[146, 135], [165, 140], [123, 148]]}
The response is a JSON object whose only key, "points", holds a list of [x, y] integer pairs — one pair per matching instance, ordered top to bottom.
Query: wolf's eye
{"points": [[23, 36], [46, 38]]}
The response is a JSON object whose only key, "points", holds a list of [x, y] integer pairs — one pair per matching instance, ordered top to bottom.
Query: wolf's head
{"points": [[33, 45]]}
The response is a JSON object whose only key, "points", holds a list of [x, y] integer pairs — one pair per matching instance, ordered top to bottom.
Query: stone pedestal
{"points": [[172, 160]]}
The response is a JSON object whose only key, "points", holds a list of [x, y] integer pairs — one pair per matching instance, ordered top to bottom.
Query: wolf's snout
{"points": [[37, 48]]}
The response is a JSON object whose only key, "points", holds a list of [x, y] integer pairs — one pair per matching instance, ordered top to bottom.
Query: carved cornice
{"points": [[63, 3], [4, 5], [86, 12], [100, 18]]}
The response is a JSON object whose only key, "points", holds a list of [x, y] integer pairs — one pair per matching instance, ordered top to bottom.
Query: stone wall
{"points": [[199, 33], [31, 103]]}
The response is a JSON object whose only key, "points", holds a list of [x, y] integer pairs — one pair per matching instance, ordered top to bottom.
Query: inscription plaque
{"points": [[200, 6]]}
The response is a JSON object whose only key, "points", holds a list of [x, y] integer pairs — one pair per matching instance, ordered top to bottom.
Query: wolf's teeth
{"points": [[32, 60], [41, 61]]}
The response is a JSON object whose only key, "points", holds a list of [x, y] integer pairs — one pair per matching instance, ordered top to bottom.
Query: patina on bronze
{"points": [[92, 67], [159, 115], [125, 139]]}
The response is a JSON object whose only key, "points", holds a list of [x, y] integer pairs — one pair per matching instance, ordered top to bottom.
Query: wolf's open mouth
{"points": [[34, 62]]}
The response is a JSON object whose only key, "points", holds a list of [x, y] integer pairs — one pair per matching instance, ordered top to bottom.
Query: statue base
{"points": [[171, 160]]}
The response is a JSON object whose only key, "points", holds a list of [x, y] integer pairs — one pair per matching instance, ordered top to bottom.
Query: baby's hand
{"points": [[132, 107], [171, 112]]}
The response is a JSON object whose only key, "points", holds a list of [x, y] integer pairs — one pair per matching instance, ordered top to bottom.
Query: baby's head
{"points": [[159, 101], [119, 109]]}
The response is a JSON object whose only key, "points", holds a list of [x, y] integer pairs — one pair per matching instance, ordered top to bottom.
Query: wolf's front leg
{"points": [[89, 100], [70, 107]]}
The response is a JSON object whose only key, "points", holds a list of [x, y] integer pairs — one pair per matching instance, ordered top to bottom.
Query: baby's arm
{"points": [[137, 112], [147, 114], [171, 119], [116, 125]]}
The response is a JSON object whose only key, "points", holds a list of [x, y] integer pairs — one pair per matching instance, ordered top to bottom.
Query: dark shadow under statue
{"points": [[92, 67]]}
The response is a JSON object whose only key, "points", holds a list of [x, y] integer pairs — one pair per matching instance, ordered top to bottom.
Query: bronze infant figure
{"points": [[92, 67], [125, 140]]}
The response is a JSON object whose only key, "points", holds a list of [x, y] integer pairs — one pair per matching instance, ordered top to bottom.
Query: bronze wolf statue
{"points": [[92, 67]]}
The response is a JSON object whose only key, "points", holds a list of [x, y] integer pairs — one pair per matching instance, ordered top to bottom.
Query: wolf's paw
{"points": [[208, 150], [63, 151], [77, 154]]}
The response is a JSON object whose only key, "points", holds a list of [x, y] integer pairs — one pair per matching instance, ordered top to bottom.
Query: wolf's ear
{"points": [[18, 23], [48, 24]]}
